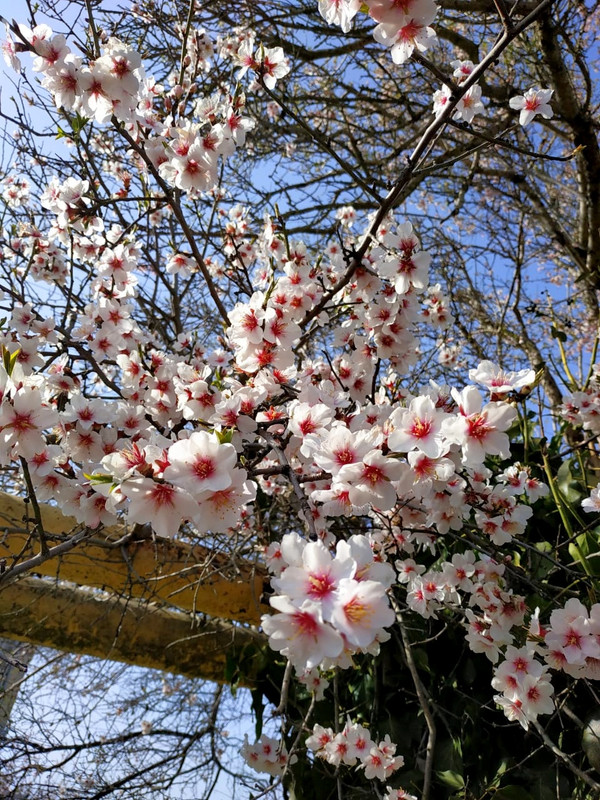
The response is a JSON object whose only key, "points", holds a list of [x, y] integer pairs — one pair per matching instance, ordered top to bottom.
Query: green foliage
{"points": [[77, 123], [9, 359], [568, 482]]}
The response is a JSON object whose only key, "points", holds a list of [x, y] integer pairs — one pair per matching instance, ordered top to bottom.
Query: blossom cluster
{"points": [[401, 26], [405, 27], [269, 63], [108, 86], [115, 86], [469, 102], [15, 191], [46, 258], [582, 408], [112, 424], [367, 452], [421, 453], [329, 606], [493, 609], [494, 619], [570, 642], [525, 686], [354, 747], [267, 755]]}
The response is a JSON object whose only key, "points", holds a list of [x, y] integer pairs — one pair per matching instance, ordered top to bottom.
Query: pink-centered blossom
{"points": [[395, 11], [339, 12], [414, 32], [271, 65], [534, 101], [469, 104], [499, 381], [22, 422], [417, 427], [478, 429], [343, 447], [200, 464], [371, 480], [161, 504], [591, 504], [221, 510], [317, 579], [361, 610], [299, 633], [568, 633], [529, 699]]}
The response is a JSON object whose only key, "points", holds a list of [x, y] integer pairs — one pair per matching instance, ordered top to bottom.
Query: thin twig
{"points": [[504, 15], [93, 30], [184, 42], [497, 141], [323, 143], [418, 155], [180, 216], [298, 490], [37, 513], [26, 566], [14, 662], [285, 689], [425, 707], [565, 759]]}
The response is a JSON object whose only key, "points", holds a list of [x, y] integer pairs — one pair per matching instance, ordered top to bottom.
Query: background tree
{"points": [[135, 246]]}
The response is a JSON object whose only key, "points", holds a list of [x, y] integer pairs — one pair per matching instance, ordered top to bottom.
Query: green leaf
{"points": [[77, 123], [9, 359], [13, 361], [218, 379], [225, 436], [554, 444], [99, 477], [567, 483], [585, 549], [540, 566], [421, 659], [232, 672], [448, 755], [498, 776], [452, 779]]}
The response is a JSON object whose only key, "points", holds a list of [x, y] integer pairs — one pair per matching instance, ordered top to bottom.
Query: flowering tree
{"points": [[221, 326]]}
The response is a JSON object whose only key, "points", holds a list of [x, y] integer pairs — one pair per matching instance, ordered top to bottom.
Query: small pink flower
{"points": [[533, 102], [201, 464], [361, 610], [300, 634]]}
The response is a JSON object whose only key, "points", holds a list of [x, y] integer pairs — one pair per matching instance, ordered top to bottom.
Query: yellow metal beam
{"points": [[192, 578], [96, 623]]}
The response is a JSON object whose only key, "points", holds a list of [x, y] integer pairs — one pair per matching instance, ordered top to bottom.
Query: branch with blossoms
{"points": [[453, 105], [300, 430]]}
